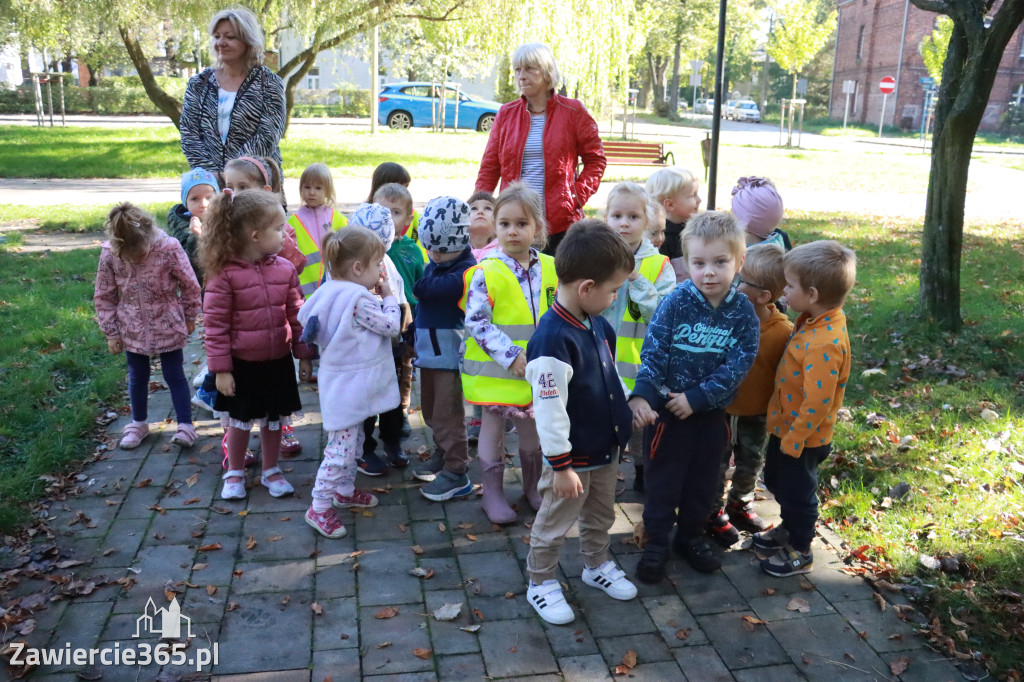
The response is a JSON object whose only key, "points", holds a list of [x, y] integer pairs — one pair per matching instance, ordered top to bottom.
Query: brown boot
{"points": [[532, 463], [494, 503]]}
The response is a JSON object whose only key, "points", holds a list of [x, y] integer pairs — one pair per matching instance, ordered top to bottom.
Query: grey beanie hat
{"points": [[444, 227]]}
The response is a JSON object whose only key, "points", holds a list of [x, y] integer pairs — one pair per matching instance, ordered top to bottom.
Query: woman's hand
{"points": [[190, 326], [115, 346], [226, 383]]}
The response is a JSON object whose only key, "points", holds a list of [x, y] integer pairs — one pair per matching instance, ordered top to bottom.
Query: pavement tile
{"points": [[156, 469], [137, 502], [422, 509], [383, 525], [176, 526], [428, 535], [276, 538], [485, 542], [120, 545], [156, 565], [214, 568], [495, 573], [446, 574], [745, 574], [273, 576], [383, 578], [335, 581], [839, 587], [706, 593], [776, 607], [499, 608], [671, 616], [609, 617], [247, 626], [876, 626], [336, 627], [405, 631], [446, 636], [570, 640], [813, 642], [649, 647], [739, 647], [516, 648], [340, 664], [702, 664], [924, 666], [461, 667], [584, 669], [654, 672], [775, 673], [275, 676], [403, 677]]}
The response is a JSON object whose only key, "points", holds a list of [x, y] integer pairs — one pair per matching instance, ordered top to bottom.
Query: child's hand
{"points": [[195, 225], [635, 274], [384, 285], [190, 326], [115, 346], [518, 366], [305, 369], [226, 383], [679, 406], [643, 415], [567, 484]]}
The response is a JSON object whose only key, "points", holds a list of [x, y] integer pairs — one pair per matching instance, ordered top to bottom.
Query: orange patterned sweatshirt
{"points": [[810, 382]]}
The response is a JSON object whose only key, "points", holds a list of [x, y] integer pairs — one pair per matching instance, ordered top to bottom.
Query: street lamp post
{"points": [[716, 120]]}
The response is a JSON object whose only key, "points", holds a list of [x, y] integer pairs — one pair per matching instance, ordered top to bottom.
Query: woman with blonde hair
{"points": [[235, 108]]}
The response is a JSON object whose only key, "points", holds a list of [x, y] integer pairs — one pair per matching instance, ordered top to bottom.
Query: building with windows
{"points": [[880, 38]]}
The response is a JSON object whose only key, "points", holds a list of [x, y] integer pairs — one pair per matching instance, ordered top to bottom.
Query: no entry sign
{"points": [[887, 85]]}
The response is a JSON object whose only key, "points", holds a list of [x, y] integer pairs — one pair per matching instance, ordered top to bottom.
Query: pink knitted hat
{"points": [[757, 205]]}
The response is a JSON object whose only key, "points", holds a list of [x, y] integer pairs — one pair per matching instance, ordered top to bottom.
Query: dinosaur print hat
{"points": [[444, 227]]}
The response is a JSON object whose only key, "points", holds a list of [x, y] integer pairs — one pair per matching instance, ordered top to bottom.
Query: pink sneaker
{"points": [[134, 434], [289, 443], [359, 499], [327, 524]]}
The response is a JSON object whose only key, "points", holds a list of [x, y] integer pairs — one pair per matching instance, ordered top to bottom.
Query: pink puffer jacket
{"points": [[147, 304], [250, 311]]}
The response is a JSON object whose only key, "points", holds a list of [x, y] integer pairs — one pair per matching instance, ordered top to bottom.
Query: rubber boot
{"points": [[532, 463], [494, 503]]}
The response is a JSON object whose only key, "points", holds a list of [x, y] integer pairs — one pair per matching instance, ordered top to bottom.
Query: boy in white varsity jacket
{"points": [[583, 419]]}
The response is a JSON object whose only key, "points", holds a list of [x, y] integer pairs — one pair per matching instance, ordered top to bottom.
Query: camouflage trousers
{"points": [[747, 445]]}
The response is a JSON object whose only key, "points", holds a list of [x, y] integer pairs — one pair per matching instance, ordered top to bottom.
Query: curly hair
{"points": [[531, 204], [229, 219], [130, 229]]}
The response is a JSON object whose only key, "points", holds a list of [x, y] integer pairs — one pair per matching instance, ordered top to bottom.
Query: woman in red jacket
{"points": [[539, 140]]}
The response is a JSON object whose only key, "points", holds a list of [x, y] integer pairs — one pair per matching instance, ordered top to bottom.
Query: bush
{"points": [[113, 95], [1012, 120]]}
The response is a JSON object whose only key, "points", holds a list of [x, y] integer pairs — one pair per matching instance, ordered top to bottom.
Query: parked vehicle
{"points": [[407, 105], [704, 106], [727, 108], [745, 110]]}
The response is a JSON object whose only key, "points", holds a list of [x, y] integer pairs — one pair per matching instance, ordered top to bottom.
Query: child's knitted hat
{"points": [[196, 176], [757, 205], [377, 219], [444, 227]]}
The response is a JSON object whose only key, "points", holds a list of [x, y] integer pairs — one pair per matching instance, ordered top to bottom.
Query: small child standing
{"points": [[389, 172], [676, 189], [757, 205], [185, 220], [314, 220], [656, 230], [482, 238], [650, 281], [761, 281], [506, 295], [147, 300], [251, 311], [440, 333], [700, 345], [357, 377], [809, 389], [582, 418]]}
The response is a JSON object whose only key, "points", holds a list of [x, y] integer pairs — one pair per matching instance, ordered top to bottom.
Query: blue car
{"points": [[405, 105]]}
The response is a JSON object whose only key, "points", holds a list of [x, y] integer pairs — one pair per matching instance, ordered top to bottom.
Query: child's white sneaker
{"points": [[609, 578], [549, 602]]}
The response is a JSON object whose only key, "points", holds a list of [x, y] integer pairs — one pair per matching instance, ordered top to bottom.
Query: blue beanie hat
{"points": [[196, 176], [377, 219], [444, 227]]}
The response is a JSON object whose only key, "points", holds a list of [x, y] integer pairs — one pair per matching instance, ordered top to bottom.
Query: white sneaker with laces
{"points": [[611, 579], [549, 603]]}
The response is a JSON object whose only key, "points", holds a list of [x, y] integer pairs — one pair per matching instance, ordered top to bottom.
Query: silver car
{"points": [[745, 110]]}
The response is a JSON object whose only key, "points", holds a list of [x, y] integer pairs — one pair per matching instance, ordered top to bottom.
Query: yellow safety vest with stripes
{"points": [[313, 274], [633, 329], [484, 381]]}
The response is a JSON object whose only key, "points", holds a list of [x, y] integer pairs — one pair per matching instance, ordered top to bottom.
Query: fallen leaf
{"points": [[206, 448], [192, 480], [145, 482], [193, 500], [243, 513], [284, 519], [466, 526], [441, 527], [402, 528], [470, 536], [275, 538], [251, 543], [210, 547], [417, 550], [108, 552], [353, 555], [198, 567], [237, 572], [211, 590], [769, 591], [510, 595], [286, 600], [880, 600], [798, 604], [233, 606], [317, 609], [386, 612], [448, 612], [480, 616], [749, 622], [471, 628], [683, 634], [896, 635], [384, 645], [425, 654], [629, 659], [805, 659], [898, 666], [621, 670]]}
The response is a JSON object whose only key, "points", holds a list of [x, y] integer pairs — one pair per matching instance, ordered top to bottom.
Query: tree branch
{"points": [[940, 6], [424, 17]]}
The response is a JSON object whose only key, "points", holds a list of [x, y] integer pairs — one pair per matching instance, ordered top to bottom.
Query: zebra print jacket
{"points": [[257, 120]]}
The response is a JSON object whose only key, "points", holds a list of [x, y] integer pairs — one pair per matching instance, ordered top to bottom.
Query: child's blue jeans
{"points": [[172, 366], [794, 482]]}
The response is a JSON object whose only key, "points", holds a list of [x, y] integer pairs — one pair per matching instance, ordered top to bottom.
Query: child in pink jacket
{"points": [[147, 299], [250, 310]]}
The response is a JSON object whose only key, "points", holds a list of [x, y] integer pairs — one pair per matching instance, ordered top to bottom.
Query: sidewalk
{"points": [[283, 603]]}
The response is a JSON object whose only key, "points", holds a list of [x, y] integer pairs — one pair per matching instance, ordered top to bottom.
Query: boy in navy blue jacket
{"points": [[439, 333], [699, 346], [582, 416]]}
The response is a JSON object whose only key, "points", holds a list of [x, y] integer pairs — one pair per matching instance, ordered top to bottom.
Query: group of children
{"points": [[659, 331]]}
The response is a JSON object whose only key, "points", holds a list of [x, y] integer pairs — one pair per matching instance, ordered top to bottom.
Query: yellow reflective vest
{"points": [[313, 274], [633, 329], [484, 381]]}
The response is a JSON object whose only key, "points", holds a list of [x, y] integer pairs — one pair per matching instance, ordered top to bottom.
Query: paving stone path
{"points": [[283, 603]]}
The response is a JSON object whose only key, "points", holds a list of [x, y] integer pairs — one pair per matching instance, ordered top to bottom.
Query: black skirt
{"points": [[265, 389]]}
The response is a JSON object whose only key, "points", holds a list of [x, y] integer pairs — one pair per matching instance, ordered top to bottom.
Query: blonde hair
{"points": [[247, 26], [538, 56], [318, 172], [669, 181], [393, 191], [635, 191], [530, 202], [656, 213], [229, 219], [713, 226], [130, 229], [355, 243], [825, 265], [763, 268]]}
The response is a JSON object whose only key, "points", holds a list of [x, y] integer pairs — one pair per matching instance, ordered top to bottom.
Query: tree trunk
{"points": [[293, 82], [673, 97], [167, 104]]}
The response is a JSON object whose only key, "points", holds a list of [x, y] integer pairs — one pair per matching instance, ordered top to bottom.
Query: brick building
{"points": [[879, 38]]}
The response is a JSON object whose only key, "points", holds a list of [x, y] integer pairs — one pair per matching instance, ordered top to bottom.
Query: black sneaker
{"points": [[406, 427], [396, 455], [371, 465], [638, 478], [743, 517], [720, 530], [771, 540], [698, 554], [788, 562], [651, 568]]}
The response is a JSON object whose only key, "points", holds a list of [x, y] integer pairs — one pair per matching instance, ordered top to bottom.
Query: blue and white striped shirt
{"points": [[533, 157]]}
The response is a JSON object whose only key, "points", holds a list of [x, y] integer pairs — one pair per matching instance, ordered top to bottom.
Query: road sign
{"points": [[696, 65], [695, 79], [927, 82], [887, 85], [801, 86], [849, 87]]}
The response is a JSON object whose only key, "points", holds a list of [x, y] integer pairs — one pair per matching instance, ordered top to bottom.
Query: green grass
{"points": [[67, 217], [56, 374], [966, 474]]}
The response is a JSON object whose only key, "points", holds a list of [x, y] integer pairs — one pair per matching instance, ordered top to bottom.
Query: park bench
{"points": [[636, 153]]}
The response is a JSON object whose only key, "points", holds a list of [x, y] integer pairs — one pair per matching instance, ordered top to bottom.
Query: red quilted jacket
{"points": [[570, 134], [250, 311]]}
